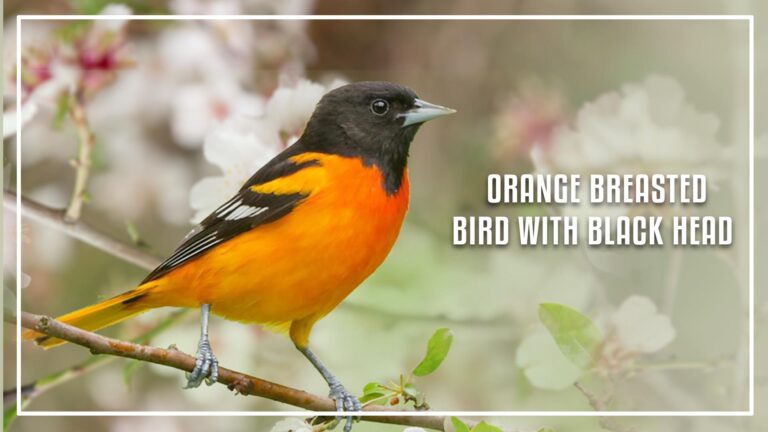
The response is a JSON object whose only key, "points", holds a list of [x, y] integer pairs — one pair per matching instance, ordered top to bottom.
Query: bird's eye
{"points": [[379, 107]]}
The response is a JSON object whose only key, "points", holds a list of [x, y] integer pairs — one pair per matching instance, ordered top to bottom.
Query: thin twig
{"points": [[82, 164], [55, 218], [237, 381], [39, 386], [598, 404]]}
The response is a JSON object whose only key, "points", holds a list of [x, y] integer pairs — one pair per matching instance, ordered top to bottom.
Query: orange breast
{"points": [[305, 263]]}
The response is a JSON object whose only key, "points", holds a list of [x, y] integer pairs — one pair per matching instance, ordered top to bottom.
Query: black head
{"points": [[373, 120]]}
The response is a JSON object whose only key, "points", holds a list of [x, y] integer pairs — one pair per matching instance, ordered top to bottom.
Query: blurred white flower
{"points": [[113, 25], [191, 52], [208, 76], [198, 107], [289, 108], [11, 119], [528, 119], [646, 127], [241, 145], [125, 149], [640, 327], [636, 328], [543, 364], [134, 423], [291, 424], [414, 429]]}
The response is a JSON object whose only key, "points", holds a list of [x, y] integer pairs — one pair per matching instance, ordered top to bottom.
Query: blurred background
{"points": [[173, 109]]}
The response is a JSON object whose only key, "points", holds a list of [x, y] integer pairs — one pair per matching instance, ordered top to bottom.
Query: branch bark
{"points": [[237, 381], [32, 390]]}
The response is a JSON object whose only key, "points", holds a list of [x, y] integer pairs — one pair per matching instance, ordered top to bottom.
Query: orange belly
{"points": [[302, 265]]}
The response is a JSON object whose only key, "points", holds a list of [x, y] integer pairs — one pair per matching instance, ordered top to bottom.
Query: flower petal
{"points": [[640, 328]]}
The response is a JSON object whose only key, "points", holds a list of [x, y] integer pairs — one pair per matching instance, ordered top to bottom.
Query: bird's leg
{"points": [[206, 366], [345, 401]]}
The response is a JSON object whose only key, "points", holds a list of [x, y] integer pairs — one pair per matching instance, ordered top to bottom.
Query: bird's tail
{"points": [[98, 316]]}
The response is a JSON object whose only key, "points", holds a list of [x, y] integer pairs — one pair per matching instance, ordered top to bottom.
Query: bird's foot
{"points": [[206, 367], [345, 402]]}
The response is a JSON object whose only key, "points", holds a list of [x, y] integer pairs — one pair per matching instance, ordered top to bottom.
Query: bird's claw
{"points": [[206, 367], [345, 402]]}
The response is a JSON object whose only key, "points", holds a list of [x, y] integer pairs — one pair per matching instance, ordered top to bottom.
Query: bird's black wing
{"points": [[243, 212]]}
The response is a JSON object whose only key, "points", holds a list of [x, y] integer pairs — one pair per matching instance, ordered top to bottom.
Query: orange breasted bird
{"points": [[303, 232]]}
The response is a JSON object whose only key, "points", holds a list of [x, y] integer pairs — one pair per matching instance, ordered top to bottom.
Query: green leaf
{"points": [[88, 7], [139, 7], [70, 31], [133, 233], [575, 334], [437, 349], [371, 387], [374, 390], [372, 396], [9, 415], [458, 425], [485, 427], [546, 429]]}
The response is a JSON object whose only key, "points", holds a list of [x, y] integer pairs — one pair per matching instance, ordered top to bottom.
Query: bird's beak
{"points": [[423, 111]]}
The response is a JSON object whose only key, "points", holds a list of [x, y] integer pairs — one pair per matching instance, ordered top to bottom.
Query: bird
{"points": [[299, 236]]}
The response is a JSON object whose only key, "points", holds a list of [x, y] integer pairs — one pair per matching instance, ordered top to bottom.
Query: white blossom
{"points": [[115, 25], [196, 108], [289, 108], [11, 119], [646, 127], [241, 145], [639, 326], [635, 328], [291, 424]]}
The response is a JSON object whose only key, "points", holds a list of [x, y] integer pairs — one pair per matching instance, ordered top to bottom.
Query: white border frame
{"points": [[749, 18]]}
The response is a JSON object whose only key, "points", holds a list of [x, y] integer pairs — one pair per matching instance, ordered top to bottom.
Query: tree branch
{"points": [[56, 219], [237, 381], [42, 385], [598, 404]]}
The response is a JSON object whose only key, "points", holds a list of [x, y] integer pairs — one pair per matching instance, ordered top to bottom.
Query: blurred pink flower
{"points": [[99, 52], [57, 66], [528, 119]]}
